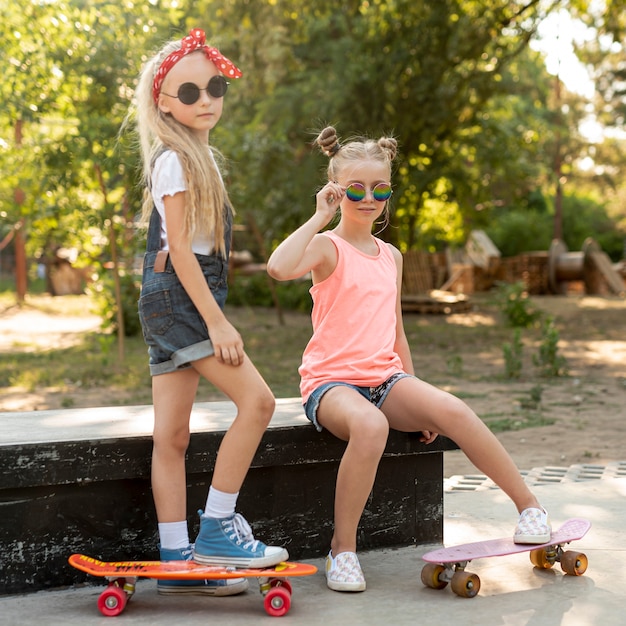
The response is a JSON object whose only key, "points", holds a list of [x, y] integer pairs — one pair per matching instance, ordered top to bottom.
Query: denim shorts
{"points": [[174, 331], [376, 395]]}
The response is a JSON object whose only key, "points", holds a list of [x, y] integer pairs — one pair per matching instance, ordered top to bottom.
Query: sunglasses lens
{"points": [[217, 87], [188, 93], [355, 192], [382, 192]]}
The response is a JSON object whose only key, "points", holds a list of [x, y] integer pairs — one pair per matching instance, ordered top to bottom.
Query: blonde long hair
{"points": [[207, 199]]}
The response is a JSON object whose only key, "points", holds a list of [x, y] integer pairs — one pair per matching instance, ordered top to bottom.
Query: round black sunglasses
{"points": [[189, 93]]}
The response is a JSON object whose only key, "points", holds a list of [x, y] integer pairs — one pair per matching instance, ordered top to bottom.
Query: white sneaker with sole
{"points": [[533, 527], [343, 572]]}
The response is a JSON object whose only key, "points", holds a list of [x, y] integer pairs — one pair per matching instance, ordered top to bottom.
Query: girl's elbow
{"points": [[275, 271]]}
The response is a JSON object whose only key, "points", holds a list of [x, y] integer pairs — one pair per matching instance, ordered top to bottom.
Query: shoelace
{"points": [[241, 531]]}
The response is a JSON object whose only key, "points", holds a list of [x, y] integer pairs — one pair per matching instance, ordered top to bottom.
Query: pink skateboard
{"points": [[447, 565]]}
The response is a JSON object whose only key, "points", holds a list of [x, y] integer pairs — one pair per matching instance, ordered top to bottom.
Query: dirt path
{"points": [[33, 329], [588, 406]]}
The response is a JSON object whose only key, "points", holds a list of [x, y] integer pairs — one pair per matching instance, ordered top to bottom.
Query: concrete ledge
{"points": [[78, 480]]}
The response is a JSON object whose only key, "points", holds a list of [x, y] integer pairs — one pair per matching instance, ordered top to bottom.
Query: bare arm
{"points": [[301, 252], [226, 340]]}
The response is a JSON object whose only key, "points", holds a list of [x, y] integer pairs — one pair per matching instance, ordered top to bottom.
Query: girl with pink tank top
{"points": [[357, 377]]}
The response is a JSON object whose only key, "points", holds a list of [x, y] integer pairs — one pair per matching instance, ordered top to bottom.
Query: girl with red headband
{"points": [[179, 100], [357, 377]]}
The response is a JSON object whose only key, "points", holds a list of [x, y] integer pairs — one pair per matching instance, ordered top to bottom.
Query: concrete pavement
{"points": [[512, 593]]}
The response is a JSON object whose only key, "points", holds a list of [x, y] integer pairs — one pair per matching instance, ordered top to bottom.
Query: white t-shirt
{"points": [[168, 180]]}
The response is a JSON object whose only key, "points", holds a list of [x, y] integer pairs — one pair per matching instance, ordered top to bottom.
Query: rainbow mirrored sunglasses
{"points": [[189, 93], [356, 192]]}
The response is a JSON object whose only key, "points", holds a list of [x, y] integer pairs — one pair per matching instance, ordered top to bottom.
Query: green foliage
{"points": [[481, 136], [481, 144], [584, 217], [531, 226], [519, 230], [250, 291], [254, 291], [103, 297], [515, 305], [513, 355], [548, 361], [454, 365], [81, 367], [533, 400], [531, 414], [532, 419]]}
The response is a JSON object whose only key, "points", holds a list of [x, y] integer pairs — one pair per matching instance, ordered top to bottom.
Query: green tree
{"points": [[444, 77], [475, 113]]}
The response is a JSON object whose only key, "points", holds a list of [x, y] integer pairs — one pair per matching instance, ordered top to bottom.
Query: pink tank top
{"points": [[354, 321]]}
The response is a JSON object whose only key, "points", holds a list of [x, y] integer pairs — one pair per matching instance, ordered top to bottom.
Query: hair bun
{"points": [[328, 141], [390, 146]]}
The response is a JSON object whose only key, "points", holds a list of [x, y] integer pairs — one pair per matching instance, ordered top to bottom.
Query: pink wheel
{"points": [[281, 582], [112, 601], [277, 601]]}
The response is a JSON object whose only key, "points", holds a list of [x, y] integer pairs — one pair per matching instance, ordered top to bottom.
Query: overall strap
{"points": [[154, 228], [153, 243]]}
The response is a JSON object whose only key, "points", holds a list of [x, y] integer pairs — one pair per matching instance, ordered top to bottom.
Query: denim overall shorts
{"points": [[174, 331]]}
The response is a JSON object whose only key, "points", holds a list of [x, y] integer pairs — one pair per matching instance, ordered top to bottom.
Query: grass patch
{"points": [[444, 352], [93, 363], [83, 366], [469, 395], [503, 424]]}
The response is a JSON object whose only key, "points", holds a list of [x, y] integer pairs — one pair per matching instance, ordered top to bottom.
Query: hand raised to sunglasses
{"points": [[328, 199]]}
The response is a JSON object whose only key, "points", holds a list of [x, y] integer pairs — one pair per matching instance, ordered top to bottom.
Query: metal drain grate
{"points": [[541, 476]]}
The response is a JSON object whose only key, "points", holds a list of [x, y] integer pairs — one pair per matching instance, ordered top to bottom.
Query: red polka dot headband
{"points": [[194, 41]]}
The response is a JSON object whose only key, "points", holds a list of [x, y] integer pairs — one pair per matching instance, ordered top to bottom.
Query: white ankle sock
{"points": [[220, 504], [173, 535]]}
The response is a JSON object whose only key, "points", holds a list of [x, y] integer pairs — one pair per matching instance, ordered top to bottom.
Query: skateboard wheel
{"points": [[541, 559], [574, 563], [431, 573], [280, 582], [465, 584], [112, 601], [277, 601]]}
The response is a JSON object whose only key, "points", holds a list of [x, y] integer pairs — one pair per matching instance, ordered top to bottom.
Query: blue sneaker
{"points": [[229, 541], [228, 587]]}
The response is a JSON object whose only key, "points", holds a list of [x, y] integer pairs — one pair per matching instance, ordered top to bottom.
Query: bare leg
{"points": [[173, 396], [414, 405], [255, 407], [349, 416], [229, 540]]}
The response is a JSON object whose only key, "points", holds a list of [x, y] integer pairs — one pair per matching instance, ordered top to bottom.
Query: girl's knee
{"points": [[265, 405], [258, 407], [457, 416], [371, 434], [175, 442]]}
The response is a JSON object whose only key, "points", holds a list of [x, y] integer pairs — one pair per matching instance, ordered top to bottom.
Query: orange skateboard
{"points": [[447, 565], [122, 576]]}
